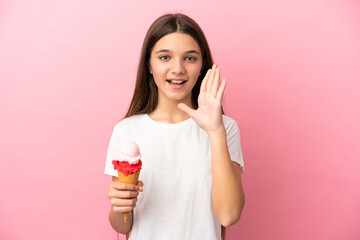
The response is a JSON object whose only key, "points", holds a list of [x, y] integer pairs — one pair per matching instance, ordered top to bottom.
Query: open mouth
{"points": [[176, 82]]}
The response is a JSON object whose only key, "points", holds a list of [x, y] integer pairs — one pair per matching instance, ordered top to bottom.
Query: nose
{"points": [[177, 67]]}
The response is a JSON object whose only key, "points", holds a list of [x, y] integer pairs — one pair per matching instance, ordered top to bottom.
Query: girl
{"points": [[192, 160]]}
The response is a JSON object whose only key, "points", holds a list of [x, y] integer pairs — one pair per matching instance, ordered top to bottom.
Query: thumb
{"points": [[189, 111], [139, 186]]}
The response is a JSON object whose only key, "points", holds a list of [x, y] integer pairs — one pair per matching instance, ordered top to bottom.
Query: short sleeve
{"points": [[233, 141], [113, 145]]}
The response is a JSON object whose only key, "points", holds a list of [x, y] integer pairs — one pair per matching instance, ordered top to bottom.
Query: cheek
{"points": [[159, 68], [162, 68], [195, 70], [159, 73]]}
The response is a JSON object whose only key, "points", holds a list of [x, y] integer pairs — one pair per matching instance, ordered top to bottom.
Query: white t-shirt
{"points": [[176, 171]]}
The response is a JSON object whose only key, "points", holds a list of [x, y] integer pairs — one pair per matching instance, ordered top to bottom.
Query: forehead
{"points": [[176, 42]]}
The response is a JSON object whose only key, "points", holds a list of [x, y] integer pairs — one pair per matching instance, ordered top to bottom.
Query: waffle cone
{"points": [[131, 179]]}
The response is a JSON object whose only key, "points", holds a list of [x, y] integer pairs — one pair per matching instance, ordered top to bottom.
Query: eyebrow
{"points": [[166, 50]]}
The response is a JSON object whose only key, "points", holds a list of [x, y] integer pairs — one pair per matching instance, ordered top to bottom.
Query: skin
{"points": [[178, 56]]}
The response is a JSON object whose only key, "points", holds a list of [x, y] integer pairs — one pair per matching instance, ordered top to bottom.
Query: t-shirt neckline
{"points": [[168, 124]]}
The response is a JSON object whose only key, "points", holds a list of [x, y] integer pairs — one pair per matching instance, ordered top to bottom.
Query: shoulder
{"points": [[129, 121], [229, 123]]}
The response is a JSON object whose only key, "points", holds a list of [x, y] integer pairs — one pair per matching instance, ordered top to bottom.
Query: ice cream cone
{"points": [[127, 161], [131, 179]]}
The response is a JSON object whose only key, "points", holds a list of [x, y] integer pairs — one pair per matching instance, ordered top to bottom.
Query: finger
{"points": [[211, 79], [204, 82], [216, 82], [221, 90], [189, 111], [122, 186], [140, 186], [123, 194], [118, 202], [122, 209]]}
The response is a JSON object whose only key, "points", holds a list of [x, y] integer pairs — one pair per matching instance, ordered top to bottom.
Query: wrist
{"points": [[217, 133], [116, 214]]}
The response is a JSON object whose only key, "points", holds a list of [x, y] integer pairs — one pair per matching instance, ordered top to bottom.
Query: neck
{"points": [[168, 112]]}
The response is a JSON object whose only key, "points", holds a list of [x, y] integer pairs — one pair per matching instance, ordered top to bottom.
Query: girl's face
{"points": [[175, 63]]}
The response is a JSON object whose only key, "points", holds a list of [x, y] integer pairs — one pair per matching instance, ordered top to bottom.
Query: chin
{"points": [[178, 98]]}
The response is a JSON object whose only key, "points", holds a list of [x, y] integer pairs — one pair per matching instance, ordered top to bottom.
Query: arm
{"points": [[227, 192], [228, 197], [123, 199]]}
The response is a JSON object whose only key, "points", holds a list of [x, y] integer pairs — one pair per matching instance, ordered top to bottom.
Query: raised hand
{"points": [[209, 116]]}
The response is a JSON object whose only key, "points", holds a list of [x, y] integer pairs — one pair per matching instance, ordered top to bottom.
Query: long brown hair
{"points": [[145, 97]]}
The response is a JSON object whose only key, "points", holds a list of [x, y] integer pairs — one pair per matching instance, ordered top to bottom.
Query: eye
{"points": [[164, 57], [190, 58]]}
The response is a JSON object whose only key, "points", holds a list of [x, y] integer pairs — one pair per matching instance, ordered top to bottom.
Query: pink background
{"points": [[67, 71]]}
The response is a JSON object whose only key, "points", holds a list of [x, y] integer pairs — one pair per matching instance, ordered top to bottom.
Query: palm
{"points": [[209, 115]]}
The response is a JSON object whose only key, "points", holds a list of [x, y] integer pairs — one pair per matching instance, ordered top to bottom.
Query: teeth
{"points": [[178, 82]]}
